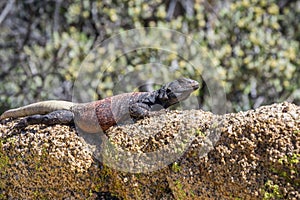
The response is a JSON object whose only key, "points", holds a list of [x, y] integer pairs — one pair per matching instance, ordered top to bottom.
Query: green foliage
{"points": [[260, 62]]}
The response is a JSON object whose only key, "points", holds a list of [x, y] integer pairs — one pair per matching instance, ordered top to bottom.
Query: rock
{"points": [[175, 155]]}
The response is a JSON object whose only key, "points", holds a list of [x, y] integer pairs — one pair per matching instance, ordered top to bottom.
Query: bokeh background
{"points": [[254, 46]]}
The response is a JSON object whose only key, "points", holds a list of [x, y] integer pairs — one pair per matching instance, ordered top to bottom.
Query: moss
{"points": [[200, 133], [11, 140], [4, 159], [294, 159], [40, 161], [4, 165], [175, 167], [288, 168], [4, 169], [109, 174], [271, 191], [91, 193], [179, 193], [39, 195], [2, 196], [235, 198]]}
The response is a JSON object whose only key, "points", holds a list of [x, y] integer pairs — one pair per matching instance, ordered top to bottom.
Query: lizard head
{"points": [[176, 91]]}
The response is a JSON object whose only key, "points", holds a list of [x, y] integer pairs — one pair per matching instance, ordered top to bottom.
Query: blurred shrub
{"points": [[252, 48], [261, 62]]}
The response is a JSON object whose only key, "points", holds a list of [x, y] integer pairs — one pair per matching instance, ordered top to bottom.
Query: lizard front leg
{"points": [[139, 110], [56, 117]]}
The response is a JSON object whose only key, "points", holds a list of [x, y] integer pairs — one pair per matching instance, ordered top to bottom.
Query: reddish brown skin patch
{"points": [[114, 109], [104, 113]]}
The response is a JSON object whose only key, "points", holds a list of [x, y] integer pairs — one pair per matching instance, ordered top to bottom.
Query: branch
{"points": [[6, 10]]}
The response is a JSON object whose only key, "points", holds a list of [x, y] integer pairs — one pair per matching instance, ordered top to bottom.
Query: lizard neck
{"points": [[160, 97]]}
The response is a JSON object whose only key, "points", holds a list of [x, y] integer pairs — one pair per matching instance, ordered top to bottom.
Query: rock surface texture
{"points": [[246, 155]]}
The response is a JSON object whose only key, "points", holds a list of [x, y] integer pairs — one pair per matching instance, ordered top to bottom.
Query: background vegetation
{"points": [[254, 46]]}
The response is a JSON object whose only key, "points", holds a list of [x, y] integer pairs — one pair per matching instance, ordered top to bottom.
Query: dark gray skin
{"points": [[169, 94], [100, 115]]}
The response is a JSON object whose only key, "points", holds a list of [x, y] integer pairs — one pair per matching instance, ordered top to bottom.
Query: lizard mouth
{"points": [[195, 86], [184, 95]]}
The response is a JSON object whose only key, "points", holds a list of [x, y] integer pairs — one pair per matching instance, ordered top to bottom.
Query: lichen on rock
{"points": [[246, 155]]}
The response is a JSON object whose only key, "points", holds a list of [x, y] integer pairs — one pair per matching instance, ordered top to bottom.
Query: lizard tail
{"points": [[42, 107]]}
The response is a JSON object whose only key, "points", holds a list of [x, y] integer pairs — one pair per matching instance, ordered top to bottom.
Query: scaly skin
{"points": [[100, 115]]}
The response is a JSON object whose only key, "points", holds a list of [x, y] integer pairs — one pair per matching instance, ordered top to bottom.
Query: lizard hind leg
{"points": [[56, 117]]}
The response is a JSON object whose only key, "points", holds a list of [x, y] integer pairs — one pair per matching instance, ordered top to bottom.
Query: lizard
{"points": [[100, 115]]}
